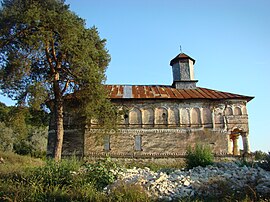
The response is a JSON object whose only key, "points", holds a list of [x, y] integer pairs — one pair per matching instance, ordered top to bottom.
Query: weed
{"points": [[199, 156], [102, 172], [129, 193]]}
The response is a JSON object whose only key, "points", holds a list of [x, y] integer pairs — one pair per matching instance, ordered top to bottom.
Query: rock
{"points": [[2, 160], [198, 181], [186, 183]]}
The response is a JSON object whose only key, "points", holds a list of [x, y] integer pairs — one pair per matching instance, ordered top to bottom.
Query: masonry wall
{"points": [[157, 128], [167, 128]]}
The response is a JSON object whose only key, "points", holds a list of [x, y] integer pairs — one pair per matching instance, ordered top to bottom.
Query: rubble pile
{"points": [[199, 181]]}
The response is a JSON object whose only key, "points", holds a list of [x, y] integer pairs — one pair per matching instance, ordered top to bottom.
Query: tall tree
{"points": [[46, 52]]}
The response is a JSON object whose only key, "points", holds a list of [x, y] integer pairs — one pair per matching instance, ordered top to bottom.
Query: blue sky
{"points": [[230, 41]]}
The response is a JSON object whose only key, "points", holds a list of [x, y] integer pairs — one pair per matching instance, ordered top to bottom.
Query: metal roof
{"points": [[179, 57], [168, 92]]}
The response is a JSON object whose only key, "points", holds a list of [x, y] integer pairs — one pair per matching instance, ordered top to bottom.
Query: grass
{"points": [[16, 163], [164, 166], [24, 178], [27, 179]]}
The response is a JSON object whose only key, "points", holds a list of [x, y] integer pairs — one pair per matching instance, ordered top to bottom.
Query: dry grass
{"points": [[17, 163]]}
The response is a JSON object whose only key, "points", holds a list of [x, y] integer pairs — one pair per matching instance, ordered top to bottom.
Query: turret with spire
{"points": [[183, 72]]}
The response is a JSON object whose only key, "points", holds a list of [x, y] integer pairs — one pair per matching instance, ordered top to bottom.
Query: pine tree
{"points": [[46, 52]]}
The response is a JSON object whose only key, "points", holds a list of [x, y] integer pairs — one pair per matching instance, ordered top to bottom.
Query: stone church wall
{"points": [[158, 128]]}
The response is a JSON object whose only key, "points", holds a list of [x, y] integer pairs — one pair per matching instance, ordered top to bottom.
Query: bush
{"points": [[6, 137], [35, 144], [198, 156], [265, 162], [102, 172], [57, 173], [67, 180]]}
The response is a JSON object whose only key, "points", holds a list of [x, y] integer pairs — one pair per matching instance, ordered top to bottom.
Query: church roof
{"points": [[181, 56], [168, 92]]}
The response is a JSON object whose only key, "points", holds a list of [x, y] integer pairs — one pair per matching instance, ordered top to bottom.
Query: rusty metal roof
{"points": [[168, 92]]}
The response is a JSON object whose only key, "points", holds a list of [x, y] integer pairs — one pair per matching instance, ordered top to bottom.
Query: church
{"points": [[161, 121]]}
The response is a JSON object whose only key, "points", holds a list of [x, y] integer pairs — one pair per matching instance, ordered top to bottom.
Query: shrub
{"points": [[6, 137], [34, 144], [259, 155], [198, 156], [265, 162], [102, 172], [57, 173], [61, 181]]}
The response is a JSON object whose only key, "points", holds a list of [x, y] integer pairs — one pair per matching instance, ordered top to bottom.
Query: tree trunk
{"points": [[58, 110], [59, 130]]}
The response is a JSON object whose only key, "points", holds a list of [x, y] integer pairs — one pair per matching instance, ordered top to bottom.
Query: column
{"points": [[245, 142], [235, 145]]}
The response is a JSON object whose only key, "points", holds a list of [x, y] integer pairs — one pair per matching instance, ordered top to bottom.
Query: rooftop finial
{"points": [[181, 49]]}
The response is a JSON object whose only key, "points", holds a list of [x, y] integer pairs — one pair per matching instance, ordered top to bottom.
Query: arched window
{"points": [[228, 111], [237, 111], [148, 116], [161, 116], [173, 116], [135, 117], [195, 117], [207, 117], [184, 120], [219, 120]]}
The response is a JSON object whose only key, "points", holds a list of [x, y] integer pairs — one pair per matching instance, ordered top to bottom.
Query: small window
{"points": [[107, 143], [138, 143]]}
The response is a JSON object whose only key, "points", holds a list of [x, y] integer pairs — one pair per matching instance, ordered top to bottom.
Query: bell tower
{"points": [[183, 72]]}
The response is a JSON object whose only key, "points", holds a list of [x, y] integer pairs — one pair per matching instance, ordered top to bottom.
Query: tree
{"points": [[46, 52]]}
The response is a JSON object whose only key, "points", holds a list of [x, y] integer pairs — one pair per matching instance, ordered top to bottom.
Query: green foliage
{"points": [[47, 53], [3, 112], [23, 130], [6, 138], [35, 144], [259, 155], [199, 156], [265, 162], [17, 163], [165, 166], [102, 172], [56, 174], [23, 178], [67, 180], [52, 182], [129, 193]]}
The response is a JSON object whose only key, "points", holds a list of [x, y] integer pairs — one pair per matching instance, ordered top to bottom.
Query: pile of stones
{"points": [[210, 181]]}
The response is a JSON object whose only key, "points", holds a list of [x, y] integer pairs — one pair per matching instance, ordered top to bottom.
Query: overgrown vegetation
{"points": [[24, 130], [199, 156], [262, 159], [14, 163], [102, 172], [23, 178], [68, 180]]}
